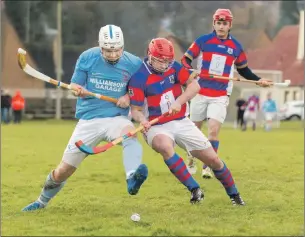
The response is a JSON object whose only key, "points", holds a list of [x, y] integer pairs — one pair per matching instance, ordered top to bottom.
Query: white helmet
{"points": [[111, 37]]}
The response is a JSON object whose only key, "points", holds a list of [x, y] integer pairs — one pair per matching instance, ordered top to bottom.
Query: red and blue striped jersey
{"points": [[216, 56], [155, 92]]}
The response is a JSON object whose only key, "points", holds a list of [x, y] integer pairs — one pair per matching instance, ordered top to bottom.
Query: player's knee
{"points": [[214, 130], [213, 133], [163, 145], [215, 163], [63, 172]]}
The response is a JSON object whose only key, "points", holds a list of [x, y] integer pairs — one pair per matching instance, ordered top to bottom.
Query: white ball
{"points": [[135, 217]]}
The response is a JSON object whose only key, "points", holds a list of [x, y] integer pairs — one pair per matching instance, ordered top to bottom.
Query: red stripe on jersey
{"points": [[195, 49], [207, 56], [242, 57], [168, 72], [183, 75], [153, 78], [177, 91], [212, 93], [136, 94], [154, 100]]}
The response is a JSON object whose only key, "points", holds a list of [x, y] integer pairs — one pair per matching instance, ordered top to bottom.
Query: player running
{"points": [[218, 52], [105, 70], [156, 88]]}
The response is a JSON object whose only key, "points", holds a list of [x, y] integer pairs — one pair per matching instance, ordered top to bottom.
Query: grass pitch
{"points": [[268, 169]]}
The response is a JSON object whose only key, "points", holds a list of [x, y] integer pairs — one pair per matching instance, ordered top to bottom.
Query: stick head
{"points": [[21, 58], [287, 82], [283, 84], [86, 149]]}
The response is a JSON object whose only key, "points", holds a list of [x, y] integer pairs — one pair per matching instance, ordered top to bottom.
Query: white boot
{"points": [[191, 166], [207, 173]]}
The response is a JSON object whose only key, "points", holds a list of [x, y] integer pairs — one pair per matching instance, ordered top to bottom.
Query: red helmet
{"points": [[223, 15], [161, 48], [160, 54]]}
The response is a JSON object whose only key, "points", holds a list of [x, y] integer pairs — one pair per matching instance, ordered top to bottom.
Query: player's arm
{"points": [[192, 53], [79, 77], [185, 77], [136, 90], [190, 92], [124, 101]]}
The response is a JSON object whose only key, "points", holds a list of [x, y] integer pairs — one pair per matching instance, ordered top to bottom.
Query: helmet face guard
{"points": [[160, 54], [112, 56], [160, 64]]}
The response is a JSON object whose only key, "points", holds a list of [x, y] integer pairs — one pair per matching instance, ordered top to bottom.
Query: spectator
{"points": [[6, 101], [18, 104], [241, 106], [269, 110], [251, 111]]}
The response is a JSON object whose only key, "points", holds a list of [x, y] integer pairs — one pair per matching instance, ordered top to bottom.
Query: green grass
{"points": [[267, 167]]}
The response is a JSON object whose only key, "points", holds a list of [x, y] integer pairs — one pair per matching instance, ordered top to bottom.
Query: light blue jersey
{"points": [[96, 75], [269, 106]]}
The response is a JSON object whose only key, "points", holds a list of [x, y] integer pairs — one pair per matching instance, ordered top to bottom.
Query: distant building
{"points": [[12, 77]]}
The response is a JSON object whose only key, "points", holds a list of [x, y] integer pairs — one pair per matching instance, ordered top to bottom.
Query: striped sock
{"points": [[215, 145], [178, 168], [225, 177]]}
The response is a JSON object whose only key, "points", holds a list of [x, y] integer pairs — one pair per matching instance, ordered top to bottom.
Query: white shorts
{"points": [[206, 107], [250, 115], [269, 116], [92, 132], [183, 132]]}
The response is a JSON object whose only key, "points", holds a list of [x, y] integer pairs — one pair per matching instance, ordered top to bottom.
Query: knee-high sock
{"points": [[132, 155], [178, 168], [225, 177], [50, 189]]}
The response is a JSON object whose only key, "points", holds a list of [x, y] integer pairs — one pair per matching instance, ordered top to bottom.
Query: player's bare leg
{"points": [[213, 131], [191, 161]]}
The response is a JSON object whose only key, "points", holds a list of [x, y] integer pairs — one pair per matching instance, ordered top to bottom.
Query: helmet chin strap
{"points": [[112, 62]]}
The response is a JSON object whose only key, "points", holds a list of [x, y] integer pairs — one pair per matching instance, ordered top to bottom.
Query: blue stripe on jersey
{"points": [[110, 31], [215, 48], [211, 84], [159, 87], [153, 89], [136, 103], [154, 110]]}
